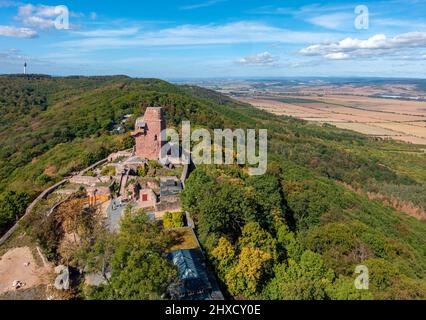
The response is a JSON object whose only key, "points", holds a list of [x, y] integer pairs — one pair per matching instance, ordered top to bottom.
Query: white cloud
{"points": [[205, 4], [302, 11], [39, 16], [326, 16], [332, 21], [39, 22], [400, 23], [11, 31], [108, 32], [210, 34], [377, 45], [11, 54], [16, 56], [337, 56], [264, 59]]}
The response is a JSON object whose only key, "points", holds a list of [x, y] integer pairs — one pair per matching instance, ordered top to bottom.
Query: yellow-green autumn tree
{"points": [[224, 256], [246, 277]]}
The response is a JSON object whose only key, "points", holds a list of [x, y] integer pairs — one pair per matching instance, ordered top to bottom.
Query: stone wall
{"points": [[148, 138], [114, 156], [89, 181], [43, 195]]}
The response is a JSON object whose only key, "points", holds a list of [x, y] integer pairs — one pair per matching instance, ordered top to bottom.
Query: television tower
{"points": [[25, 68]]}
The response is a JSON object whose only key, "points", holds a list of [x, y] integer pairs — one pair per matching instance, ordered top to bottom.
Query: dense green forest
{"points": [[51, 127], [296, 233]]}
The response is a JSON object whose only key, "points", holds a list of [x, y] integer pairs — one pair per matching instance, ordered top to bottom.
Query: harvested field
{"points": [[398, 106], [280, 108], [364, 115], [355, 118], [318, 119], [399, 119], [418, 123], [404, 128], [366, 129], [411, 139]]}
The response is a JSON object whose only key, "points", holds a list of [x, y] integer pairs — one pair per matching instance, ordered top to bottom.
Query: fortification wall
{"points": [[43, 195]]}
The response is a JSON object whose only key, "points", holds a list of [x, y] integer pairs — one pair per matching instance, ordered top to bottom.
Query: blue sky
{"points": [[215, 38]]}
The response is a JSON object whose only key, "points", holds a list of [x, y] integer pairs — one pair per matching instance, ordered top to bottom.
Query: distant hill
{"points": [[53, 126]]}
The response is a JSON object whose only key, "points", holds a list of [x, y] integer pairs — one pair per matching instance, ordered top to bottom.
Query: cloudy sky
{"points": [[215, 38]]}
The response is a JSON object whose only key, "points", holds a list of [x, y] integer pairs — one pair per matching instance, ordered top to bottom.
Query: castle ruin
{"points": [[148, 134]]}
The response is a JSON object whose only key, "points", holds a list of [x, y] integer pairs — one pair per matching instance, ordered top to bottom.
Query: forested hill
{"points": [[40, 113], [319, 178]]}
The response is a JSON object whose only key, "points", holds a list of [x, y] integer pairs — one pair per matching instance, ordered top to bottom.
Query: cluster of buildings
{"points": [[118, 182], [158, 192]]}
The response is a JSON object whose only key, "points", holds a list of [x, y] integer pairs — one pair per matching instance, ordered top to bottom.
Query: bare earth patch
{"points": [[366, 129], [415, 131], [411, 139], [19, 265]]}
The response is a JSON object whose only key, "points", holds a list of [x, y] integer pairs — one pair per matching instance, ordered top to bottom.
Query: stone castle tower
{"points": [[148, 134]]}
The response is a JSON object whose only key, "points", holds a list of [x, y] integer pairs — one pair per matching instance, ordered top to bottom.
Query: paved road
{"points": [[115, 212]]}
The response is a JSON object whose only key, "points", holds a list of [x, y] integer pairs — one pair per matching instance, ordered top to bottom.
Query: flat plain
{"points": [[386, 118]]}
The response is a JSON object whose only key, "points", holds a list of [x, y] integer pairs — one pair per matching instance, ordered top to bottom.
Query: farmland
{"points": [[385, 108], [386, 118], [331, 199]]}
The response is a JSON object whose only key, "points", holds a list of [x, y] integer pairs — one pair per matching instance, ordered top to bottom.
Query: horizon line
{"points": [[217, 77]]}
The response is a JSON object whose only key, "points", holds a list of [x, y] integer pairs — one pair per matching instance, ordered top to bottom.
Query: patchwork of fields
{"points": [[387, 118]]}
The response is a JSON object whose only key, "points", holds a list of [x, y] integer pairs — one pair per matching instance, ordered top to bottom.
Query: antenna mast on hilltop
{"points": [[25, 68]]}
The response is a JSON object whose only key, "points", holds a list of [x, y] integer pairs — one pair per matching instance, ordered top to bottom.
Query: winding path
{"points": [[42, 196]]}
